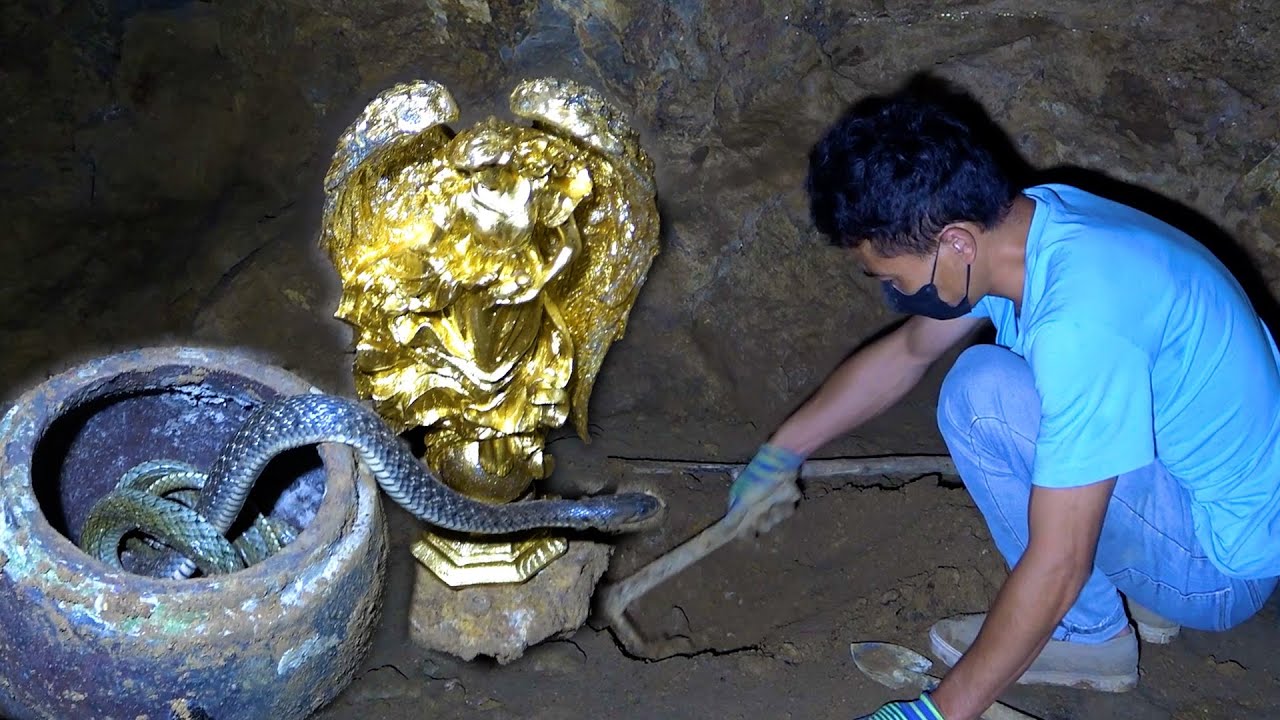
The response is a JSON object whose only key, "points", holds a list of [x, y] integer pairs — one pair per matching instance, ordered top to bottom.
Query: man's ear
{"points": [[960, 240]]}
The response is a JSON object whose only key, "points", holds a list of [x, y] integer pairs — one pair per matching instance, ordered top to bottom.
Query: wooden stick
{"points": [[905, 465], [613, 599]]}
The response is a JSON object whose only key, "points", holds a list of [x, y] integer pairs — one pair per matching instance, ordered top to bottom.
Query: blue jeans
{"points": [[989, 416]]}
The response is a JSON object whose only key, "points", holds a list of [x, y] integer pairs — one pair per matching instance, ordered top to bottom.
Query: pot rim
{"points": [[349, 490]]}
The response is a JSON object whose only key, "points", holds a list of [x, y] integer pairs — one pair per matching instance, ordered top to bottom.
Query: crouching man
{"points": [[1120, 436]]}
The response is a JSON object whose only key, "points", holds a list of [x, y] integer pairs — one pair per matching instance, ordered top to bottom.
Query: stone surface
{"points": [[160, 177], [502, 621]]}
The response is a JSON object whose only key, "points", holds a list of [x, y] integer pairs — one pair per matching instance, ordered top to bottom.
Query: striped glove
{"points": [[771, 466], [920, 709]]}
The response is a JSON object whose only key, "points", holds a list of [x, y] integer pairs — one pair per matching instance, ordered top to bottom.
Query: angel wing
{"points": [[403, 123], [618, 223]]}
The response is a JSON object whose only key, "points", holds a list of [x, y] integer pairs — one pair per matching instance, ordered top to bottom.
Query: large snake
{"points": [[196, 532]]}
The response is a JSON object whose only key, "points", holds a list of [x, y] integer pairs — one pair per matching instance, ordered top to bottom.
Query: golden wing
{"points": [[403, 124], [378, 155], [618, 223]]}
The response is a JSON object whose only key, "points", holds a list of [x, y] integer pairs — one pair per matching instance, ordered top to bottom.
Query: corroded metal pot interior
{"points": [[171, 412]]}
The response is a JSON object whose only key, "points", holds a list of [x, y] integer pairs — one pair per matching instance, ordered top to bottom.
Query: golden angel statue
{"points": [[486, 273]]}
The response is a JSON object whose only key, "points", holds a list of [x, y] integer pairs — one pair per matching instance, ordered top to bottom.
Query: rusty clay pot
{"points": [[80, 640]]}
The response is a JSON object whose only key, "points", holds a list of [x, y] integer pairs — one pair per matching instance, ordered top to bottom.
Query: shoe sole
{"points": [[1158, 634], [1101, 683]]}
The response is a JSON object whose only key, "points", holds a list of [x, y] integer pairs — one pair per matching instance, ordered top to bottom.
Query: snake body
{"points": [[301, 420], [159, 496]]}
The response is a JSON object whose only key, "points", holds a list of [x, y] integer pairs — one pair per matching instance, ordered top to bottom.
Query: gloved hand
{"points": [[770, 478], [919, 709]]}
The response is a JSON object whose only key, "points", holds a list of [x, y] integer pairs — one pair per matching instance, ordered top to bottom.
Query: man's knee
{"points": [[985, 381]]}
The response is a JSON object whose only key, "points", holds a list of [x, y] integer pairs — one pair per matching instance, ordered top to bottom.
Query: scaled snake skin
{"points": [[196, 535]]}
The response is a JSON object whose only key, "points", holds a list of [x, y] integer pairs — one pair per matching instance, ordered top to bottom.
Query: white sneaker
{"points": [[1151, 627], [1111, 666]]}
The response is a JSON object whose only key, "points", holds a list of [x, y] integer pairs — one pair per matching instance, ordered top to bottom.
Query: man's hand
{"points": [[771, 466], [762, 480], [1064, 524], [921, 708]]}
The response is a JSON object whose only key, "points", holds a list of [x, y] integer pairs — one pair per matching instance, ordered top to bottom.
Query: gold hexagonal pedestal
{"points": [[461, 562]]}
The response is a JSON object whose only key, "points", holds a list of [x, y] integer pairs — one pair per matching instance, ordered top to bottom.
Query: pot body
{"points": [[81, 640]]}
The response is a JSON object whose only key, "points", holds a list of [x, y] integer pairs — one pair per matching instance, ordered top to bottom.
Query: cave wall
{"points": [[161, 166]]}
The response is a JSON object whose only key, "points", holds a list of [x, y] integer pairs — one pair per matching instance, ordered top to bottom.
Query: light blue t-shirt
{"points": [[1143, 346]]}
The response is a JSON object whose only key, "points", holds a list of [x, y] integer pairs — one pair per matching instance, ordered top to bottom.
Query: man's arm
{"points": [[870, 381], [1064, 527]]}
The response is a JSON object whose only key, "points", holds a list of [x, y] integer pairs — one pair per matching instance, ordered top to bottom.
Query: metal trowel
{"points": [[900, 668]]}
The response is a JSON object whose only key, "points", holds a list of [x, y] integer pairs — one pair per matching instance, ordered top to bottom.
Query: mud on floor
{"points": [[774, 617]]}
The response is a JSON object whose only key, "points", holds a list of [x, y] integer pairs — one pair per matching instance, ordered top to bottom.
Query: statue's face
{"points": [[481, 273]]}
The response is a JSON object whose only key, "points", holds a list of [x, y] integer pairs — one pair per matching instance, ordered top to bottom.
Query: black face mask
{"points": [[925, 301]]}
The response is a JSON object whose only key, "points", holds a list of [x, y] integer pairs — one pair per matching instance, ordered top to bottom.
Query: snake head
{"points": [[626, 511]]}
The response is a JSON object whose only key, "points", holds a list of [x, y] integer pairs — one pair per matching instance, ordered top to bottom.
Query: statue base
{"points": [[459, 562], [503, 620]]}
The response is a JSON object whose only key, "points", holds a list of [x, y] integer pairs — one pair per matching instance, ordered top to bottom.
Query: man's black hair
{"points": [[896, 169]]}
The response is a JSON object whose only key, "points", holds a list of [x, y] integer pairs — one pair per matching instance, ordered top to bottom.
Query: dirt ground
{"points": [[160, 177], [773, 619]]}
